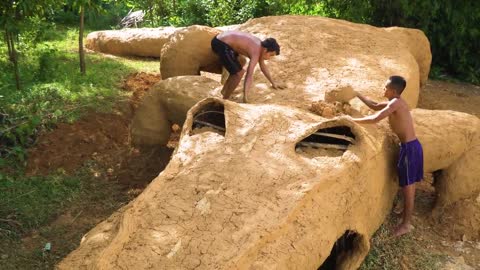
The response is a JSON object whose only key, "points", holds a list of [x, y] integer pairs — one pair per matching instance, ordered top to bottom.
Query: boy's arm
{"points": [[266, 72], [249, 77], [376, 106], [374, 118]]}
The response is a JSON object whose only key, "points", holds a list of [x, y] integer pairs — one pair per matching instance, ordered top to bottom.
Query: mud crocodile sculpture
{"points": [[271, 185]]}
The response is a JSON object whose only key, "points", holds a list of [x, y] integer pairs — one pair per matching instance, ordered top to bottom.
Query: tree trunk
{"points": [[80, 42], [12, 55]]}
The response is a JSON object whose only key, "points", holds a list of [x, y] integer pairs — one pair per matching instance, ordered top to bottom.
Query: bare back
{"points": [[243, 43], [401, 121]]}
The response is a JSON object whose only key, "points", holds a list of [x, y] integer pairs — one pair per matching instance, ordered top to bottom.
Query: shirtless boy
{"points": [[229, 44], [410, 160]]}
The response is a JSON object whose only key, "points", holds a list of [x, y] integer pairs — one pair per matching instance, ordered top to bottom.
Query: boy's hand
{"points": [[278, 86]]}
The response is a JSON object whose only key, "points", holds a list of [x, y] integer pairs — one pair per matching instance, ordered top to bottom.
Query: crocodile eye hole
{"points": [[209, 118], [330, 142]]}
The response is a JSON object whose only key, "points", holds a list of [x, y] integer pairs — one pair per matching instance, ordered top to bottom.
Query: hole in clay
{"points": [[209, 118], [332, 141], [436, 176], [344, 249]]}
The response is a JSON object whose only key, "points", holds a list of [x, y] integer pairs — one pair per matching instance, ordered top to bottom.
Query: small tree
{"points": [[81, 5], [13, 13]]}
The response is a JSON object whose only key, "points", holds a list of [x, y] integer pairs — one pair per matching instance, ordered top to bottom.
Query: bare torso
{"points": [[243, 43], [401, 122]]}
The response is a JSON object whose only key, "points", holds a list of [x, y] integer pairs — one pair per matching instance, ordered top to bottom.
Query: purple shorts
{"points": [[410, 163]]}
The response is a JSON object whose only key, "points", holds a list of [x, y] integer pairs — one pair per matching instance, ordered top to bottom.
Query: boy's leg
{"points": [[232, 83], [409, 200], [399, 205]]}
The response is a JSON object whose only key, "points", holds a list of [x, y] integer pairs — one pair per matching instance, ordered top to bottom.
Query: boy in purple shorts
{"points": [[229, 44], [410, 161]]}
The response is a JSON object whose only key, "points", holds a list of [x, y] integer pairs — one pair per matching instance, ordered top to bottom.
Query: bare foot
{"points": [[402, 229]]}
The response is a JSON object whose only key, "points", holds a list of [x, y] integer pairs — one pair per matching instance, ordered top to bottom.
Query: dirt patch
{"points": [[139, 83], [441, 95], [95, 136], [103, 139], [459, 221], [452, 231]]}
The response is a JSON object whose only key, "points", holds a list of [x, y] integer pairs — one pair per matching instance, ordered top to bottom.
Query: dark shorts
{"points": [[227, 56], [410, 163]]}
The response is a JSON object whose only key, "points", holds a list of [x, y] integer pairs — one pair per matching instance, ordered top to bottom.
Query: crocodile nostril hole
{"points": [[210, 118]]}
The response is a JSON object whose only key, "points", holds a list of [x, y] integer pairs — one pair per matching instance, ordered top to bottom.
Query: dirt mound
{"points": [[417, 44], [139, 83], [329, 110], [105, 139], [68, 146]]}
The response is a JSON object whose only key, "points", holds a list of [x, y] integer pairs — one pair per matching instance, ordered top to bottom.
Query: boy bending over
{"points": [[229, 44]]}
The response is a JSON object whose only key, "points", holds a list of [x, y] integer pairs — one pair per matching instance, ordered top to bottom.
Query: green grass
{"points": [[53, 90], [29, 202], [31, 205], [390, 253]]}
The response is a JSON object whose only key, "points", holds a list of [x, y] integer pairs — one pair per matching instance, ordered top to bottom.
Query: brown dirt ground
{"points": [[104, 139]]}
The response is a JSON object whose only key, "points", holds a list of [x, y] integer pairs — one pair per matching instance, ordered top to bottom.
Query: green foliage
{"points": [[297, 7], [219, 12], [12, 13], [106, 16], [451, 26], [35, 30], [47, 65]]}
